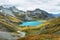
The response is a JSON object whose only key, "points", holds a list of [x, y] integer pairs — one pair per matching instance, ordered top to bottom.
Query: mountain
{"points": [[14, 9], [10, 10], [6, 11], [36, 14], [39, 14], [56, 15]]}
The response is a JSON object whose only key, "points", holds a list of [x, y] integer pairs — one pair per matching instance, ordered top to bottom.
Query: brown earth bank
{"points": [[41, 37]]}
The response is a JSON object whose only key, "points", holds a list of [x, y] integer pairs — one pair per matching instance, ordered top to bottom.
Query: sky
{"points": [[51, 6]]}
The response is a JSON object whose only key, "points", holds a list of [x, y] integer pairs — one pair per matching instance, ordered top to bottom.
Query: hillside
{"points": [[8, 23], [52, 27], [49, 30], [41, 37]]}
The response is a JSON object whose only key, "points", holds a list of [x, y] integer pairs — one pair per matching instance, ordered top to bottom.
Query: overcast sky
{"points": [[51, 6]]}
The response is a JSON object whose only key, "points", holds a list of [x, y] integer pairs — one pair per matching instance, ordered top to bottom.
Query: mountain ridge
{"points": [[27, 15]]}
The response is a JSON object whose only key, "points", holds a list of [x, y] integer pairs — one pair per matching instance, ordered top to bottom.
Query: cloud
{"points": [[51, 6]]}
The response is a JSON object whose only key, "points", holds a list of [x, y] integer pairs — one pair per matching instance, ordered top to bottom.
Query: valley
{"points": [[29, 24]]}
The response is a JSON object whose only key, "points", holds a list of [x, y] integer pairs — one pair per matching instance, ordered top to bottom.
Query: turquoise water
{"points": [[32, 23]]}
